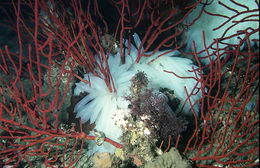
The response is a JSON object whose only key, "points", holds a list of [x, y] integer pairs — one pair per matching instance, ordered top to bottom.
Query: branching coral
{"points": [[227, 25]]}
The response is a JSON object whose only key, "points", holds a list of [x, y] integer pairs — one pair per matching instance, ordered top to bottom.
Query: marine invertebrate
{"points": [[228, 23], [69, 37], [167, 69], [102, 105], [151, 107], [150, 122], [229, 124], [170, 159]]}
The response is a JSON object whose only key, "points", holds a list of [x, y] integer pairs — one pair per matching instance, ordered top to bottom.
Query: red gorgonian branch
{"points": [[58, 41]]}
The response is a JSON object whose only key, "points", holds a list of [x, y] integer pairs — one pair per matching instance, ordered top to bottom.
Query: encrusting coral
{"points": [[170, 159]]}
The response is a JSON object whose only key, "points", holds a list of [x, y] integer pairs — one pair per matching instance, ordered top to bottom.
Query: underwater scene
{"points": [[129, 83]]}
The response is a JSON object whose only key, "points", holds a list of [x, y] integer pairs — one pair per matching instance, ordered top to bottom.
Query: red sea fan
{"points": [[59, 41]]}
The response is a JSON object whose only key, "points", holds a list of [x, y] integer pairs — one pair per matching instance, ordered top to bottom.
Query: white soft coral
{"points": [[228, 21], [161, 68], [101, 106]]}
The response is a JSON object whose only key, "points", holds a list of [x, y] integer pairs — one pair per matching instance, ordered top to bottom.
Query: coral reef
{"points": [[109, 96]]}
